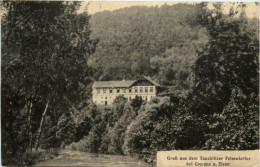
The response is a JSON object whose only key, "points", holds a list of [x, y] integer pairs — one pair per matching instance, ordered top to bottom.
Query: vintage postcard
{"points": [[129, 83]]}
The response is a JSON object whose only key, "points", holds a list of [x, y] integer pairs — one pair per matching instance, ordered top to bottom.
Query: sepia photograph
{"points": [[117, 83]]}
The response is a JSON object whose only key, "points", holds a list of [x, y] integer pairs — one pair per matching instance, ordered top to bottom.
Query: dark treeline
{"points": [[207, 60]]}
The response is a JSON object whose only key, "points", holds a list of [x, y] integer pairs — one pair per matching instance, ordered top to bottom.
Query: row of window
{"points": [[130, 90], [129, 98]]}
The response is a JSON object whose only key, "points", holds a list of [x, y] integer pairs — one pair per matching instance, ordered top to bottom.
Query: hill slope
{"points": [[157, 41]]}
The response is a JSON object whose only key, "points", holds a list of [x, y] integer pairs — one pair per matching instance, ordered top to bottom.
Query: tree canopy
{"points": [[157, 41], [45, 49]]}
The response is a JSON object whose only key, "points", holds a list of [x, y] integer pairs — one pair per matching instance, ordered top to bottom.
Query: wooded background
{"points": [[51, 55]]}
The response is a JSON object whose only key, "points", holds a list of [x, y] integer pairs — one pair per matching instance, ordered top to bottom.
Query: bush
{"points": [[136, 103], [240, 122], [163, 124], [149, 131], [117, 134]]}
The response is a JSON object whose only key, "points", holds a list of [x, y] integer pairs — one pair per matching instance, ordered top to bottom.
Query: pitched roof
{"points": [[153, 82], [119, 84]]}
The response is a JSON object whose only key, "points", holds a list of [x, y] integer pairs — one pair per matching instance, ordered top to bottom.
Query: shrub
{"points": [[240, 122], [163, 124], [149, 131]]}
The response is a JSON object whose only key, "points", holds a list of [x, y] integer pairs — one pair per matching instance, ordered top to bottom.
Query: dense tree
{"points": [[136, 39], [45, 47], [229, 60], [208, 61], [226, 76], [136, 103], [163, 124], [237, 128], [66, 129], [117, 133]]}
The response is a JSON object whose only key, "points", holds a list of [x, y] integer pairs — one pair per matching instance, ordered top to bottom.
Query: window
{"points": [[141, 89], [145, 89], [151, 89], [104, 90], [111, 90], [118, 90], [124, 90], [130, 90], [136, 90], [98, 91], [105, 97], [129, 98], [146, 98]]}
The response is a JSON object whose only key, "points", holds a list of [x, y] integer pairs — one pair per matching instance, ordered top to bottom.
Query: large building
{"points": [[105, 92]]}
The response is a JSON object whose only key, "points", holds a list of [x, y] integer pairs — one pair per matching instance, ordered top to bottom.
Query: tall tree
{"points": [[45, 48], [229, 60], [227, 76]]}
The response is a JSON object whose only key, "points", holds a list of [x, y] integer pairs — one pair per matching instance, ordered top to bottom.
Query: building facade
{"points": [[105, 92]]}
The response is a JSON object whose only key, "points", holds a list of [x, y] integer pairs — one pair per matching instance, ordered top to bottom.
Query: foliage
{"points": [[147, 41], [45, 48], [207, 60], [230, 60], [226, 76], [136, 103], [219, 111], [240, 124], [163, 125], [83, 127], [66, 129], [118, 131], [49, 138]]}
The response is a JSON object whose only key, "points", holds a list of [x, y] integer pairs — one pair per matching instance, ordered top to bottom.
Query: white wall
{"points": [[102, 96]]}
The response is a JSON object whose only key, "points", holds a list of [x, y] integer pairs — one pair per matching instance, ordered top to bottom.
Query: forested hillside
{"points": [[157, 41], [51, 55], [220, 111]]}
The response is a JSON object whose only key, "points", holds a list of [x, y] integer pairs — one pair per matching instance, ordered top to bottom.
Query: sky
{"points": [[98, 6], [92, 7]]}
